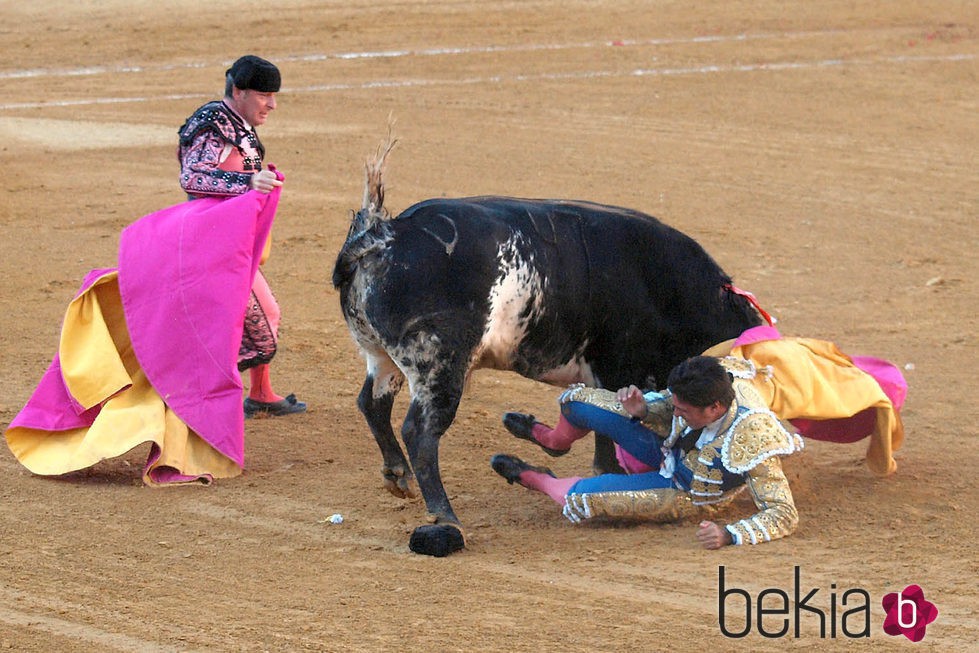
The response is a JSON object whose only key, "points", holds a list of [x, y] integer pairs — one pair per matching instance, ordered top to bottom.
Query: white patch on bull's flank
{"points": [[515, 300]]}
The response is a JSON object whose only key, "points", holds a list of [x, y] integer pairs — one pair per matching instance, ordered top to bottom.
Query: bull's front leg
{"points": [[376, 401], [422, 431]]}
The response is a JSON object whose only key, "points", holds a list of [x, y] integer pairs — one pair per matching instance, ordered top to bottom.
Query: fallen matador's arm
{"points": [[777, 515]]}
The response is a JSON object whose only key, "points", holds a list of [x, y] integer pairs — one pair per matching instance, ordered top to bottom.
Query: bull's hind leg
{"points": [[376, 401], [424, 425]]}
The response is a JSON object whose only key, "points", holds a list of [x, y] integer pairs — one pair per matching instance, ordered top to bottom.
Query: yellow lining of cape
{"points": [[99, 366], [813, 379]]}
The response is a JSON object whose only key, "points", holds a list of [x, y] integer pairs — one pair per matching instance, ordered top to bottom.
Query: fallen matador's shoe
{"points": [[286, 406], [522, 426], [510, 468]]}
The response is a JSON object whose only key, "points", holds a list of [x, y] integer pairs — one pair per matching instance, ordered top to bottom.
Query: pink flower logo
{"points": [[908, 613]]}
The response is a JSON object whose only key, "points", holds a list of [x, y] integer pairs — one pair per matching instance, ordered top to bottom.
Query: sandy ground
{"points": [[823, 152]]}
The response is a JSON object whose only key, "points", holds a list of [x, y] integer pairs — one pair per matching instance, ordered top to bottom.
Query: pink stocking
{"points": [[261, 385], [561, 437], [556, 488]]}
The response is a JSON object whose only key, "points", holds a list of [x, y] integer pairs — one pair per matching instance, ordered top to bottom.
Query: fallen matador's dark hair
{"points": [[701, 381]]}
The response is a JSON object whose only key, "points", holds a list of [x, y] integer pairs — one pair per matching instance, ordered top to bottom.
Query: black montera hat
{"points": [[254, 73]]}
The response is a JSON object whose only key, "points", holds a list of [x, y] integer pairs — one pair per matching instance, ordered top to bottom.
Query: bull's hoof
{"points": [[398, 482], [437, 540]]}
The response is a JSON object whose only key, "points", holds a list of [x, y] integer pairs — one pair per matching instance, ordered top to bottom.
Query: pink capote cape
{"points": [[184, 277]]}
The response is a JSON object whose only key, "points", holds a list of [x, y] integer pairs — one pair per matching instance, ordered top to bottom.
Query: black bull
{"points": [[557, 291]]}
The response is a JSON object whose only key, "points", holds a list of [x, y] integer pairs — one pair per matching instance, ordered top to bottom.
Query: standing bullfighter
{"points": [[221, 156]]}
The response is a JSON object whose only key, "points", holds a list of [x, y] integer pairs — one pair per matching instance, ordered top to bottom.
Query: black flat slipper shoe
{"points": [[287, 406], [521, 425], [510, 468]]}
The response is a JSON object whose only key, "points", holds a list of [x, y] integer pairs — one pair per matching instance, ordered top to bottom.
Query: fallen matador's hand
{"points": [[264, 181], [632, 401], [712, 536]]}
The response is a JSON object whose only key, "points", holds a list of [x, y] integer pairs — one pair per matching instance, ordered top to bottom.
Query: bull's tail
{"points": [[374, 179], [364, 235]]}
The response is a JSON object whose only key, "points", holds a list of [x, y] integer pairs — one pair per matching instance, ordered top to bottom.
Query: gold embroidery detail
{"points": [[739, 368], [747, 395], [600, 397], [659, 415], [756, 436], [691, 461], [714, 474], [657, 505], [777, 516]]}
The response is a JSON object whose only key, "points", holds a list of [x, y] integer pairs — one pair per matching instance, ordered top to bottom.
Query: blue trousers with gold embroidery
{"points": [[641, 442]]}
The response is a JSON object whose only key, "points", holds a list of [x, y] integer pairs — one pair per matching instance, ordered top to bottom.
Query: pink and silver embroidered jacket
{"points": [[204, 168]]}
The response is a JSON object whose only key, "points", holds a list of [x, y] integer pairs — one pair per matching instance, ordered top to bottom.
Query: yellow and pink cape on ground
{"points": [[149, 349], [825, 393]]}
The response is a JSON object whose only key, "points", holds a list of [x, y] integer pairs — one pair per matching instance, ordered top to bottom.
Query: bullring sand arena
{"points": [[823, 152]]}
